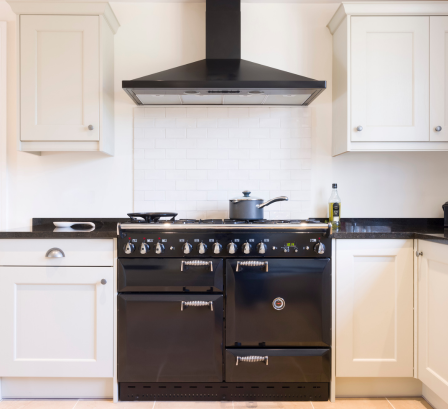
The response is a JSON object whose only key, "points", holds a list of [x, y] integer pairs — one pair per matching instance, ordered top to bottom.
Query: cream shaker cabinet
{"points": [[390, 77], [65, 79], [432, 286], [374, 308], [56, 312]]}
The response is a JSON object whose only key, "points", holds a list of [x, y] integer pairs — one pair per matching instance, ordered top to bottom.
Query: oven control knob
{"points": [[129, 248], [144, 248], [160, 248], [186, 248], [202, 248], [217, 248], [231, 248], [246, 248], [261, 248], [319, 248]]}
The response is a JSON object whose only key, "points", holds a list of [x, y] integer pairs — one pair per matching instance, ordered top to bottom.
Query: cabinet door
{"points": [[59, 78], [390, 78], [439, 79], [374, 308], [433, 317], [56, 321]]}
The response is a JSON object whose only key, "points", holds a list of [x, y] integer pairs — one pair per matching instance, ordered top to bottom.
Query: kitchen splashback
{"points": [[192, 160]]}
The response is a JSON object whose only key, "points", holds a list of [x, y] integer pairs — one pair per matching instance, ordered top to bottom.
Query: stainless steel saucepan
{"points": [[248, 207]]}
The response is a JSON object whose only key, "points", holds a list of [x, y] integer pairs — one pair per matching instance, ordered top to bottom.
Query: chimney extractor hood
{"points": [[223, 78]]}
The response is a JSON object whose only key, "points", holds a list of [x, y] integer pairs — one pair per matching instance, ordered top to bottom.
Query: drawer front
{"points": [[77, 252], [170, 275], [278, 365]]}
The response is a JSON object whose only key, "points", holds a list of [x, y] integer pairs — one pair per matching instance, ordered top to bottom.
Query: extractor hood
{"points": [[223, 78]]}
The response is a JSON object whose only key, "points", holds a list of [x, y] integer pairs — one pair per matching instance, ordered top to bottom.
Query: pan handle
{"points": [[270, 201]]}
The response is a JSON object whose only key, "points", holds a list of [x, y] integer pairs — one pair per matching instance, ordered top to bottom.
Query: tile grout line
{"points": [[390, 402], [75, 404], [312, 404], [154, 405]]}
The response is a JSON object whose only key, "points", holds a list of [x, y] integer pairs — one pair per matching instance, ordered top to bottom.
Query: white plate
{"points": [[70, 224]]}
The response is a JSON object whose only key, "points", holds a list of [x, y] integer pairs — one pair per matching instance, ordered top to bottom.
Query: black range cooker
{"points": [[223, 309]]}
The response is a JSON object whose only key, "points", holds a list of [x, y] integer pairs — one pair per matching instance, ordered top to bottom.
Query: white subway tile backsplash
{"points": [[194, 159]]}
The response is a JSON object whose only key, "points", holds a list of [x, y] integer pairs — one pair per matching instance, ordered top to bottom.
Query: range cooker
{"points": [[223, 309]]}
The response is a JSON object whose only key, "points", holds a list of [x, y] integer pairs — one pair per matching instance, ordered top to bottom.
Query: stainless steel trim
{"points": [[168, 226], [55, 253], [196, 263], [252, 263], [196, 304], [252, 358]]}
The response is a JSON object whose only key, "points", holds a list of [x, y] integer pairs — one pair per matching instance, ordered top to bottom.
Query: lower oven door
{"points": [[278, 302], [170, 338], [278, 365]]}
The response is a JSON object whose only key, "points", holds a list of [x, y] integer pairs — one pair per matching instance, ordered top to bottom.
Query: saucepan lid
{"points": [[246, 196]]}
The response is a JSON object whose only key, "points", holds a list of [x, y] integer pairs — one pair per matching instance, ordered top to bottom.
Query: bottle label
{"points": [[335, 211]]}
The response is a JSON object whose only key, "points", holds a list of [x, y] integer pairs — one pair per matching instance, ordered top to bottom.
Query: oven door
{"points": [[278, 302], [170, 337]]}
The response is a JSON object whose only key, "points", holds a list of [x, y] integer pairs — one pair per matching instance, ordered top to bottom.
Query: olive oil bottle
{"points": [[334, 205]]}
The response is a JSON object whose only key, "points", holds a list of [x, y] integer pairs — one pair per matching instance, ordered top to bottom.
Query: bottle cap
{"points": [[334, 185]]}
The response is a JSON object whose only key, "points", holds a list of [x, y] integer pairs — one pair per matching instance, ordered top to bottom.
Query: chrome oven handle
{"points": [[196, 263], [252, 263], [196, 304], [252, 358]]}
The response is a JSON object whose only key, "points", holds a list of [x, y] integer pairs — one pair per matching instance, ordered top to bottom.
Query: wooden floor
{"points": [[380, 403]]}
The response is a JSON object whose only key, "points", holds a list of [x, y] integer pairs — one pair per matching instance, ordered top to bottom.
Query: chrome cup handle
{"points": [[270, 201], [55, 253]]}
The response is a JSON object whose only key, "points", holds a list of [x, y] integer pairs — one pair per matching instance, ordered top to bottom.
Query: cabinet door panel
{"points": [[59, 78], [390, 78], [439, 78], [374, 308], [432, 317], [56, 321]]}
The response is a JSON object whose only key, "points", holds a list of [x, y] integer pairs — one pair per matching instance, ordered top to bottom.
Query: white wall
{"points": [[154, 37]]}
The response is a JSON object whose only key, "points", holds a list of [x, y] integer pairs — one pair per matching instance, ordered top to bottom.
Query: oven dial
{"points": [[129, 248], [144, 248], [160, 248], [186, 248], [202, 248], [217, 248], [231, 248], [246, 248], [261, 248], [319, 248]]}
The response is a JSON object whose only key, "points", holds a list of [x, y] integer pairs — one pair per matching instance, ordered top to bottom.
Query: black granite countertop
{"points": [[43, 228], [105, 228], [425, 229]]}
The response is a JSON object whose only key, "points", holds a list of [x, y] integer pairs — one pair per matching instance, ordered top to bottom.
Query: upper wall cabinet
{"points": [[66, 63], [390, 79]]}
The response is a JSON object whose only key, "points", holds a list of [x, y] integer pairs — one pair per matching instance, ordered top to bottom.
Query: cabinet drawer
{"points": [[78, 252], [278, 365]]}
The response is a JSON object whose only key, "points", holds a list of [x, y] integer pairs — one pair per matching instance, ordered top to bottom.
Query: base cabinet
{"points": [[374, 308], [433, 317], [56, 322]]}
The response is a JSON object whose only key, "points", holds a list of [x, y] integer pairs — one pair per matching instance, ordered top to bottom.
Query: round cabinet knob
{"points": [[90, 127], [359, 128], [438, 128], [129, 248], [144, 248], [160, 248], [186, 248], [202, 248], [217, 248], [231, 248], [246, 248], [261, 248], [319, 248], [104, 281]]}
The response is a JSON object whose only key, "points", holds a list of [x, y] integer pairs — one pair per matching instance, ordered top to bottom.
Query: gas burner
{"points": [[150, 217], [181, 221], [211, 221], [231, 221]]}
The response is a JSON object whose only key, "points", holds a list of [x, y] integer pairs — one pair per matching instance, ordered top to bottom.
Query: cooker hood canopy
{"points": [[223, 78]]}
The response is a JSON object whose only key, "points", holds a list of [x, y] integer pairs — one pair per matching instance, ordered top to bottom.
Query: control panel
{"points": [[225, 244]]}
